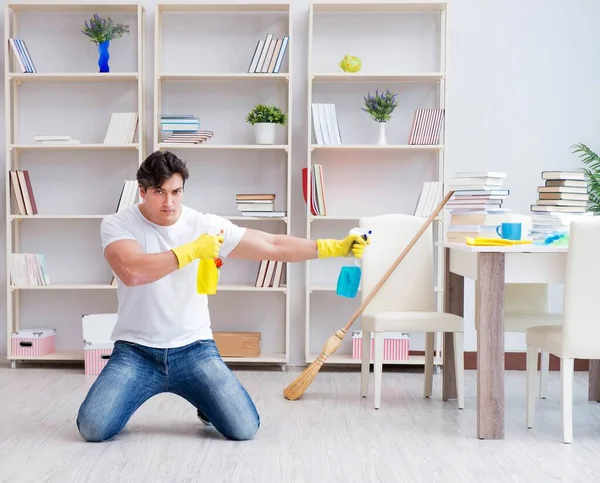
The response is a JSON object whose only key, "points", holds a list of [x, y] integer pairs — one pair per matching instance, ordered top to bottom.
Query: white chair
{"points": [[406, 302], [528, 305], [580, 331]]}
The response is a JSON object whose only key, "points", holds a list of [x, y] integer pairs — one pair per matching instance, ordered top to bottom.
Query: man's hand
{"points": [[205, 246], [340, 248]]}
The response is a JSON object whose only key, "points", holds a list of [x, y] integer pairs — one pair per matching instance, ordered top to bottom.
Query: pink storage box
{"points": [[33, 342], [395, 345], [98, 346]]}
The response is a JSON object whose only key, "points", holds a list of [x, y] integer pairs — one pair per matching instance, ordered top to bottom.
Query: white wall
{"points": [[517, 99]]}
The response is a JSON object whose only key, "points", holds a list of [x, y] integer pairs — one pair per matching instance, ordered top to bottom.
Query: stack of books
{"points": [[268, 55], [183, 128], [563, 197], [258, 205], [476, 208]]}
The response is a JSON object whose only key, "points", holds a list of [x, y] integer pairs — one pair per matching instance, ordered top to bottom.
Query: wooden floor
{"points": [[330, 435]]}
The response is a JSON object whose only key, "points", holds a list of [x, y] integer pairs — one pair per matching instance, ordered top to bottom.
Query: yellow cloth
{"points": [[482, 241], [205, 246], [341, 248]]}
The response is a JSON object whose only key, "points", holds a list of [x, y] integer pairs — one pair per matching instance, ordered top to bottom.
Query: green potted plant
{"points": [[101, 30], [380, 107], [265, 119], [591, 159]]}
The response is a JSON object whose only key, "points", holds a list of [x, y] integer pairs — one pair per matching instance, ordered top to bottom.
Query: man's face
{"points": [[163, 205]]}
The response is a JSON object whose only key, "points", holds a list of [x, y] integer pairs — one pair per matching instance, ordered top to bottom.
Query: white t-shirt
{"points": [[168, 312]]}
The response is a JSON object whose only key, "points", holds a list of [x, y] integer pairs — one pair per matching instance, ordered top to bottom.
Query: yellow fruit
{"points": [[350, 63]]}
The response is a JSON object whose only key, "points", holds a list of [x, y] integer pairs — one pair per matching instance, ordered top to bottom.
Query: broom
{"points": [[299, 385]]}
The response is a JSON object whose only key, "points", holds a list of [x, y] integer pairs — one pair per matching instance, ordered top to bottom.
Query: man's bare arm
{"points": [[259, 245], [134, 267]]}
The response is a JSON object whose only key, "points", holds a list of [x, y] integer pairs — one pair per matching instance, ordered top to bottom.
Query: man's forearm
{"points": [[289, 248], [149, 267]]}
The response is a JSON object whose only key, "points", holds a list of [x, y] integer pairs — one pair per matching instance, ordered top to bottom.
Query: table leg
{"points": [[453, 304], [489, 312], [594, 381]]}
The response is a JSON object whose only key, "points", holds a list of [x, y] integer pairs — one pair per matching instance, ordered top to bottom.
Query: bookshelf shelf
{"points": [[74, 6], [230, 76], [75, 77], [365, 77], [219, 90], [73, 147], [252, 147], [385, 147], [344, 155], [47, 179], [56, 217], [65, 286], [57, 356], [344, 359]]}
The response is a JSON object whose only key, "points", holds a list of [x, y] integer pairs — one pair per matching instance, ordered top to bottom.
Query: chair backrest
{"points": [[411, 285], [527, 298], [581, 323]]}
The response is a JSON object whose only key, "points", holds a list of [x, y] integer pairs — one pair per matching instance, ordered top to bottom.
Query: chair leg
{"points": [[429, 348], [532, 358], [365, 364], [378, 367], [459, 367], [544, 369], [566, 371]]}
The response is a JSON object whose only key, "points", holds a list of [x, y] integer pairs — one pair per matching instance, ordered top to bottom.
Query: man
{"points": [[163, 338]]}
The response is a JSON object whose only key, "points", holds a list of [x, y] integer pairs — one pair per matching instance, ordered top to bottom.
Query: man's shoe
{"points": [[203, 418]]}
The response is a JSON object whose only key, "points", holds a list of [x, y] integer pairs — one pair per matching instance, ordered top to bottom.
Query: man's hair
{"points": [[158, 167]]}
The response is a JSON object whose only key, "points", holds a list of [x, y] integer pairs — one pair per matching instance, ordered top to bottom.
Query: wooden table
{"points": [[491, 268]]}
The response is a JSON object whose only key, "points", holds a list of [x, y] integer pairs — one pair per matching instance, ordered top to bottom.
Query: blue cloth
{"points": [[196, 372]]}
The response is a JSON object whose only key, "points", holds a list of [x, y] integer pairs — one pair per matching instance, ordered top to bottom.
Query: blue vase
{"points": [[103, 56]]}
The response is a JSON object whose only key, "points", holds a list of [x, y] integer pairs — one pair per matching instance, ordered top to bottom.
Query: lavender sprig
{"points": [[100, 29], [380, 106]]}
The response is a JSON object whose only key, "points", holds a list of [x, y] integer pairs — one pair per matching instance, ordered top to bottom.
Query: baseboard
{"points": [[516, 361]]}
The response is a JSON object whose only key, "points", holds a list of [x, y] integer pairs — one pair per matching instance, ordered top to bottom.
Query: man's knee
{"points": [[95, 427], [244, 430]]}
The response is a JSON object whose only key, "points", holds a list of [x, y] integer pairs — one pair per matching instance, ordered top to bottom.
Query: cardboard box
{"points": [[33, 342], [97, 343], [238, 344], [395, 345]]}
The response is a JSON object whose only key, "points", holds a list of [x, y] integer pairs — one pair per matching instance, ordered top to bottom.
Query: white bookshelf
{"points": [[202, 54], [362, 178], [75, 185]]}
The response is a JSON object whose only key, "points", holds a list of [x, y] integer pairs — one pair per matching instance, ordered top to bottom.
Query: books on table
{"points": [[562, 198]]}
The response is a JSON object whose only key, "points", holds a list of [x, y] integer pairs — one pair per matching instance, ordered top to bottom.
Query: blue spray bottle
{"points": [[350, 275]]}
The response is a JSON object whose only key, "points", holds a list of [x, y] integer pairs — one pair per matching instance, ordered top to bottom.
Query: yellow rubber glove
{"points": [[205, 246], [340, 248]]}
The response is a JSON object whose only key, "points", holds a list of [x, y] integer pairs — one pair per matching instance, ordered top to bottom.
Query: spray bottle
{"points": [[350, 275], [207, 277]]}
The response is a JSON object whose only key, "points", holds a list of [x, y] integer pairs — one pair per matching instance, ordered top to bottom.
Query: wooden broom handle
{"points": [[407, 249]]}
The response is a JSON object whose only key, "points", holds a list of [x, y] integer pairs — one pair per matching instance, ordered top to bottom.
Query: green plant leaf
{"points": [[264, 113], [592, 172]]}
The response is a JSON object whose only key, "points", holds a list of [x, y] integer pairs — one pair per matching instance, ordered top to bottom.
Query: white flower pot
{"points": [[264, 132], [382, 139]]}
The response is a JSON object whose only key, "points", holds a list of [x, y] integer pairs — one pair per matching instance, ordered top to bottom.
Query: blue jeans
{"points": [[196, 372]]}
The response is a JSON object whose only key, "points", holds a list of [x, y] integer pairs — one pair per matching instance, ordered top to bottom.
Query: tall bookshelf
{"points": [[402, 45], [202, 62], [74, 184]]}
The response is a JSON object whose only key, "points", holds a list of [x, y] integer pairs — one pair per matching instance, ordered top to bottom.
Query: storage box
{"points": [[33, 342], [97, 343], [238, 344], [395, 345]]}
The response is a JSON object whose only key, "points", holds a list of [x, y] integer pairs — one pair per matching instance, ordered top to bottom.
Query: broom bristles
{"points": [[299, 385]]}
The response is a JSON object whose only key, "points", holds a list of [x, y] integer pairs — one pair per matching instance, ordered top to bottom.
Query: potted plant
{"points": [[101, 30], [380, 107], [265, 119], [591, 159]]}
